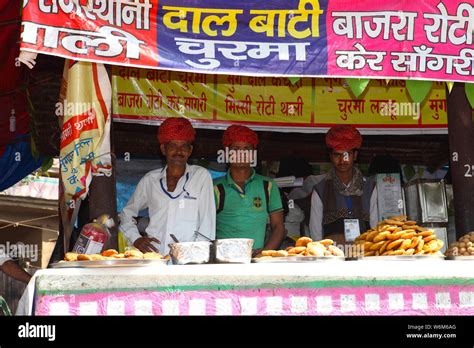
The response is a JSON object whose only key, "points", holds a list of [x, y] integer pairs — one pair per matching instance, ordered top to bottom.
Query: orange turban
{"points": [[176, 128], [237, 133], [343, 137]]}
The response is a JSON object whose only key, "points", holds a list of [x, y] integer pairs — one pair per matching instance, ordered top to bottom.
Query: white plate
{"points": [[298, 259], [109, 263]]}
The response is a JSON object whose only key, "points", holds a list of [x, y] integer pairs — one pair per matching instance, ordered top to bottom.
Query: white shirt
{"points": [[189, 208]]}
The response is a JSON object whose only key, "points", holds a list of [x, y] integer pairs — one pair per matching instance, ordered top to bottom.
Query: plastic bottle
{"points": [[94, 236]]}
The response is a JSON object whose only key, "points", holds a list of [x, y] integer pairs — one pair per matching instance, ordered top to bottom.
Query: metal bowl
{"points": [[233, 250], [187, 253]]}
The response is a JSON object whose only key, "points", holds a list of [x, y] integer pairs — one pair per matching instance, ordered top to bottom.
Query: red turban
{"points": [[176, 128], [239, 134], [343, 137]]}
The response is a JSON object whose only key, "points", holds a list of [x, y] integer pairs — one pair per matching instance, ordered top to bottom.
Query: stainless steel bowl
{"points": [[233, 250], [186, 253]]}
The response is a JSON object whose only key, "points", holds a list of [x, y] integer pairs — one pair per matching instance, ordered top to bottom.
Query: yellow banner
{"points": [[273, 103]]}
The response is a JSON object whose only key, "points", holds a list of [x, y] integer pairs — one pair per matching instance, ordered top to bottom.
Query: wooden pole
{"points": [[461, 146], [103, 197]]}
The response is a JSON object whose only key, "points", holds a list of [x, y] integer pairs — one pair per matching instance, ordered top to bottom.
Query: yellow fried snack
{"points": [[398, 218], [393, 222], [410, 222], [408, 234], [363, 235], [395, 235], [381, 236], [370, 237], [429, 238], [303, 241], [415, 241], [326, 242], [395, 244], [405, 244], [440, 244], [367, 245], [420, 245], [376, 246], [384, 246], [431, 246], [315, 249], [296, 250], [335, 250], [109, 252], [267, 252], [397, 252], [409, 252], [419, 252], [133, 253], [279, 253], [369, 253], [152, 255], [119, 256], [70, 257], [84, 257], [97, 257]]}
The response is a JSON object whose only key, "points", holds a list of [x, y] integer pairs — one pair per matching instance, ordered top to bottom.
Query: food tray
{"points": [[233, 250], [188, 253], [401, 258], [463, 258], [298, 259], [110, 263]]}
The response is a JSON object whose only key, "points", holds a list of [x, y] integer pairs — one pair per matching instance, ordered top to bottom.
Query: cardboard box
{"points": [[35, 244]]}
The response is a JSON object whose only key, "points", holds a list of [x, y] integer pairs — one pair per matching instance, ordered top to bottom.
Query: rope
{"points": [[31, 220], [16, 224]]}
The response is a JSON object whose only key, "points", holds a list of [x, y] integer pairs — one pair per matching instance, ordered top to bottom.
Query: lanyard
{"points": [[169, 194], [348, 200]]}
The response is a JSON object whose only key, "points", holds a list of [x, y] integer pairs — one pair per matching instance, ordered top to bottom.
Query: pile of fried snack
{"points": [[397, 236], [306, 247], [463, 247], [112, 254]]}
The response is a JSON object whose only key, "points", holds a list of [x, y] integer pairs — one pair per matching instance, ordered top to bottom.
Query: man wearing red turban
{"points": [[179, 196], [244, 199], [343, 203]]}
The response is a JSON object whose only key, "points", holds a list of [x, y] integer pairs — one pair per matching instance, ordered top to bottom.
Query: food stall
{"points": [[250, 87], [424, 287]]}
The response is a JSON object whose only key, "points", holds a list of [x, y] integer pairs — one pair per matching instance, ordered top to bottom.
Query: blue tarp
{"points": [[17, 162]]}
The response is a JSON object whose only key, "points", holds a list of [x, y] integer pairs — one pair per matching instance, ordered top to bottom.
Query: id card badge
{"points": [[351, 229]]}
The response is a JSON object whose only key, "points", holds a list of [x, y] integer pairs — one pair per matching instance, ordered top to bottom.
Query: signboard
{"points": [[428, 39], [273, 103]]}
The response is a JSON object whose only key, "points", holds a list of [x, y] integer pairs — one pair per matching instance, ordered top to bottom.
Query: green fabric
{"points": [[244, 214], [4, 307]]}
